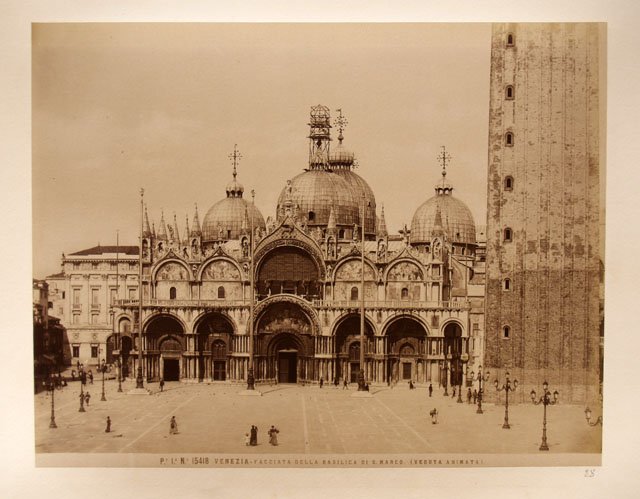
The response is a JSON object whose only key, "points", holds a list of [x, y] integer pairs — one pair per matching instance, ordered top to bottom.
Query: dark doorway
{"points": [[125, 349], [287, 364], [355, 369], [171, 370], [219, 370], [406, 370]]}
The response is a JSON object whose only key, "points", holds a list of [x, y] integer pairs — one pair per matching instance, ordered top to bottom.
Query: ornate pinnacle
{"points": [[235, 158]]}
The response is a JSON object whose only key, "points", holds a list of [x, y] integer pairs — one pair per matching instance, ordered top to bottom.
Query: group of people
{"points": [[251, 438]]}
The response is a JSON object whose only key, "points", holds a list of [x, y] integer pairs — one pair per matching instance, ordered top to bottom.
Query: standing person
{"points": [[90, 377], [321, 381], [336, 382], [161, 384], [345, 385], [411, 387], [430, 389], [454, 392], [469, 395], [475, 395], [87, 397], [173, 426], [108, 428], [254, 435], [273, 435], [247, 440]]}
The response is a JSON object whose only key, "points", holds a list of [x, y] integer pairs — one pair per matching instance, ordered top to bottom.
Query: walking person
{"points": [[90, 377], [321, 381], [336, 382], [161, 384], [345, 385], [411, 387], [430, 389], [454, 392], [469, 395], [475, 395], [87, 397], [173, 426], [108, 428], [273, 435], [254, 436], [247, 439]]}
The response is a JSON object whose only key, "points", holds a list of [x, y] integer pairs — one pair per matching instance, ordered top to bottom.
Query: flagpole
{"points": [[250, 375], [361, 376], [139, 378]]}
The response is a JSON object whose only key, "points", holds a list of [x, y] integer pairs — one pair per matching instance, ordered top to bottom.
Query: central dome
{"points": [[316, 193]]}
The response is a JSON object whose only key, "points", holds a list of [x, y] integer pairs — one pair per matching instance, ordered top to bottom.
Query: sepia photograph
{"points": [[350, 245]]}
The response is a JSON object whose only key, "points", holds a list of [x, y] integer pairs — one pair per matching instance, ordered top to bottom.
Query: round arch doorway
{"points": [[286, 349]]}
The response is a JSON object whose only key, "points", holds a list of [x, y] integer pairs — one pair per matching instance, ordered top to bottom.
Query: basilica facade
{"points": [[423, 288]]}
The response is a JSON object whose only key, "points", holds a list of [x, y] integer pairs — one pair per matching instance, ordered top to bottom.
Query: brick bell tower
{"points": [[545, 209]]}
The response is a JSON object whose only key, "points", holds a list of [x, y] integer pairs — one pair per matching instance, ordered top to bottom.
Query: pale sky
{"points": [[117, 107]]}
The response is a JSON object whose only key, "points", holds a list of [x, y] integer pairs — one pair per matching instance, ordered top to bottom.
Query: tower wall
{"points": [[553, 209]]}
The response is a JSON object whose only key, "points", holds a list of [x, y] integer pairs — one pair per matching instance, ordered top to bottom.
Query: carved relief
{"points": [[221, 270], [351, 271], [404, 271], [171, 272], [283, 318]]}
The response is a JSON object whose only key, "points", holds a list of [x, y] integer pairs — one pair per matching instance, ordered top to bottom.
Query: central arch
{"points": [[213, 335], [285, 344], [165, 345], [407, 351]]}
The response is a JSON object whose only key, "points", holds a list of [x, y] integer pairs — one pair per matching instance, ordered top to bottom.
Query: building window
{"points": [[510, 40], [509, 92], [508, 139], [508, 183], [312, 216], [341, 234], [508, 234], [132, 265], [94, 266], [113, 266], [506, 284], [132, 293], [172, 293], [354, 293], [404, 293], [114, 294], [221, 294], [63, 295], [76, 296], [95, 296], [94, 318], [76, 319], [506, 331], [76, 351], [94, 351]]}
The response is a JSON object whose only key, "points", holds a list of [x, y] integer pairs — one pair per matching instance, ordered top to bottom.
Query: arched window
{"points": [[510, 40], [509, 92], [508, 138], [508, 183], [312, 216], [341, 234], [508, 235], [506, 284], [172, 293], [221, 293], [354, 293], [404, 293], [506, 331], [219, 349], [354, 352]]}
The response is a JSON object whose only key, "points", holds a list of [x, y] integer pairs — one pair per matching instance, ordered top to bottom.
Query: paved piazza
{"points": [[213, 418]]}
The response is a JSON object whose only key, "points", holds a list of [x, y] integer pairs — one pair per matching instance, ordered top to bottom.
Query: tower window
{"points": [[510, 40], [509, 92], [508, 138], [508, 183], [312, 216], [341, 234], [508, 234], [506, 284], [172, 293], [221, 293], [354, 293], [404, 293], [506, 332]]}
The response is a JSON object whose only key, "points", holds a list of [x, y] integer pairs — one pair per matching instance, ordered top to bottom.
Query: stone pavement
{"points": [[213, 418]]}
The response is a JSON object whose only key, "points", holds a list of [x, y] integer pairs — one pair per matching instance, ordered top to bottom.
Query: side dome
{"points": [[315, 193], [443, 214], [230, 217]]}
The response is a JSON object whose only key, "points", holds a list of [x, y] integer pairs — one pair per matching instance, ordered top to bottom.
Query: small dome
{"points": [[340, 156], [316, 192], [443, 213], [231, 216]]}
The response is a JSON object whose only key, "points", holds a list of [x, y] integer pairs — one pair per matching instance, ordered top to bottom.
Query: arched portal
{"points": [[288, 269], [213, 334], [164, 336], [285, 344], [348, 349], [453, 349], [407, 352]]}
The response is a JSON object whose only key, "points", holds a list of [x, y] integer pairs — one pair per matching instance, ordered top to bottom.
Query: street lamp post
{"points": [[463, 359], [102, 368], [447, 369], [119, 374], [480, 377], [52, 387], [506, 387], [81, 392], [545, 400], [587, 415]]}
